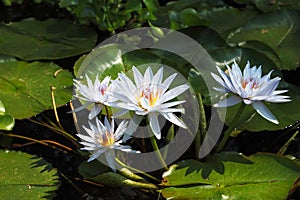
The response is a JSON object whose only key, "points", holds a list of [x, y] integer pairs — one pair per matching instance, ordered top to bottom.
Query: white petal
{"points": [[236, 71], [247, 72], [148, 76], [138, 77], [157, 78], [219, 79], [226, 79], [126, 83], [166, 84], [222, 90], [279, 92], [171, 94], [278, 99], [230, 101], [247, 101], [145, 103], [170, 104], [81, 107], [262, 109], [172, 110], [95, 111], [120, 113], [174, 119], [153, 120], [133, 124], [107, 125], [120, 130], [90, 132], [86, 138], [88, 144], [97, 154], [110, 158]]}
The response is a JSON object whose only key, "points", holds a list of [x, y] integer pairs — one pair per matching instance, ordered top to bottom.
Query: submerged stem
{"points": [[232, 126]]}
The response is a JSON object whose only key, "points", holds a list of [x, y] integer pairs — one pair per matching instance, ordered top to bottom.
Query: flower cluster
{"points": [[251, 88], [148, 96]]}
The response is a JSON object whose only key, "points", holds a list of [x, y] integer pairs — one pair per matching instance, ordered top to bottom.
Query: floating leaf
{"points": [[279, 30], [30, 39], [105, 61], [25, 87], [7, 122], [229, 175], [24, 176]]}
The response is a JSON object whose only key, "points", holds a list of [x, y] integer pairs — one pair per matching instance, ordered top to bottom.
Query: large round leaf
{"points": [[279, 30], [30, 39], [25, 87], [230, 175], [23, 176]]}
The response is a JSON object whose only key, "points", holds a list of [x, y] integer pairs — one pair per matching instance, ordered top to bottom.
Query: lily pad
{"points": [[279, 30], [30, 39], [25, 87], [7, 122], [230, 175], [24, 176]]}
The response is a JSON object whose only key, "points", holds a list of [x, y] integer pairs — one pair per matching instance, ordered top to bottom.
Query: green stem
{"points": [[107, 113], [202, 126], [232, 126], [286, 145], [156, 149], [136, 170]]}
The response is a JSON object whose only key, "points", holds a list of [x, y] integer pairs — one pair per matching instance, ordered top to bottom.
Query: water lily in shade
{"points": [[251, 88], [93, 93], [149, 96], [103, 139]]}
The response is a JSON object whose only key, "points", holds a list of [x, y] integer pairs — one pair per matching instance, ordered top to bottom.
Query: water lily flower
{"points": [[251, 88], [93, 93], [149, 96], [103, 139]]}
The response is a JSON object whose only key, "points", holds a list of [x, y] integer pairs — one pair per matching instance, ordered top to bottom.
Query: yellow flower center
{"points": [[251, 81], [151, 95], [107, 139]]}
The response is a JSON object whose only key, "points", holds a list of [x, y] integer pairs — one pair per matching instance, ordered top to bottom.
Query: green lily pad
{"points": [[279, 30], [30, 39], [25, 87], [7, 122], [230, 175], [24, 176]]}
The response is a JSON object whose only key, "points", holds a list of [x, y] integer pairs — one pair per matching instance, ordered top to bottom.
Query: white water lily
{"points": [[251, 88], [93, 93], [150, 96], [103, 139]]}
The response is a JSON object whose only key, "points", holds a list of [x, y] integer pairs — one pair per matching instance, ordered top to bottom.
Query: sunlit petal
{"points": [[250, 87], [230, 101], [95, 111], [264, 111], [174, 119], [153, 121], [102, 138], [97, 154], [110, 158]]}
